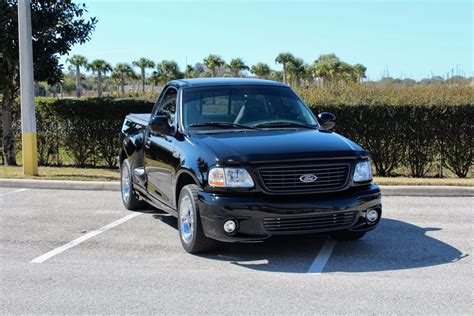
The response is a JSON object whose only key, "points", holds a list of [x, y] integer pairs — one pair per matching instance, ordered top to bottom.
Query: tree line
{"points": [[327, 68]]}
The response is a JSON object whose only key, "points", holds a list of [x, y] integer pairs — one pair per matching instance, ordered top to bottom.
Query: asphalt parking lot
{"points": [[419, 260]]}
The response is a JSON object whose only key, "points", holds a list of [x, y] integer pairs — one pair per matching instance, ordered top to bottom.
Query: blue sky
{"points": [[406, 38]]}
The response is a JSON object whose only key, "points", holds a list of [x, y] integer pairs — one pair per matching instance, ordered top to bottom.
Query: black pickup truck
{"points": [[240, 160]]}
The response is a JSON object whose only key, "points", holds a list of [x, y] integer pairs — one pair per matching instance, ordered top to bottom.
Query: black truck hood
{"points": [[265, 145]]}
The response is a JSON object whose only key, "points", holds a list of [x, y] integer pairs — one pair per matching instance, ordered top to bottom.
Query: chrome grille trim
{"points": [[286, 179]]}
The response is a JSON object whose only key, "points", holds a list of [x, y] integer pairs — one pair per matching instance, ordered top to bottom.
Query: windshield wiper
{"points": [[221, 124], [285, 124]]}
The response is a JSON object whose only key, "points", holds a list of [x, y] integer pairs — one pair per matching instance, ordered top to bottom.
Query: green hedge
{"points": [[409, 127], [406, 128], [85, 130], [414, 137]]}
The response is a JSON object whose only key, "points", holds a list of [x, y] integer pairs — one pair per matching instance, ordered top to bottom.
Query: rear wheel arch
{"points": [[122, 156], [130, 200]]}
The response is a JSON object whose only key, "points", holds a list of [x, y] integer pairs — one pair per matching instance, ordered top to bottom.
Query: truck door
{"points": [[159, 148]]}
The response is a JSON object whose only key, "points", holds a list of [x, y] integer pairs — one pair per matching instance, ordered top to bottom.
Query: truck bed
{"points": [[141, 118]]}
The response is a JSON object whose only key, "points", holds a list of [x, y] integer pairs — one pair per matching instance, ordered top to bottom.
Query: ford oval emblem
{"points": [[308, 178]]}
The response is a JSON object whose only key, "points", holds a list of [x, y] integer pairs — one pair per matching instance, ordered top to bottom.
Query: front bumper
{"points": [[261, 216]]}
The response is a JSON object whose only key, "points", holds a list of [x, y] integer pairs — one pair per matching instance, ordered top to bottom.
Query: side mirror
{"points": [[327, 120], [160, 124]]}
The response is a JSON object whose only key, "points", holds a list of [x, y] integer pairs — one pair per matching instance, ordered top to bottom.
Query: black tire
{"points": [[131, 202], [347, 235], [197, 242]]}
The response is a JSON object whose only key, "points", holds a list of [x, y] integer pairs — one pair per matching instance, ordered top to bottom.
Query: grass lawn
{"points": [[62, 173], [98, 174]]}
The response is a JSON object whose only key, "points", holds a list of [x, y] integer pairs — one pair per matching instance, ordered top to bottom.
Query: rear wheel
{"points": [[129, 199], [189, 222], [348, 235]]}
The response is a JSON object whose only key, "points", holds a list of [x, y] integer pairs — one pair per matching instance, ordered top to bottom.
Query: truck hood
{"points": [[265, 145]]}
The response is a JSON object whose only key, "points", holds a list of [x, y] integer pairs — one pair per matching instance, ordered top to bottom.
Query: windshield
{"points": [[241, 107]]}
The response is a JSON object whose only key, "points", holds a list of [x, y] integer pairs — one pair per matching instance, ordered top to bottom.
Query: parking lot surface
{"points": [[82, 252]]}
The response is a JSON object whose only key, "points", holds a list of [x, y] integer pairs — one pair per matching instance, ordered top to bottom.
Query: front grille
{"points": [[287, 179], [313, 223]]}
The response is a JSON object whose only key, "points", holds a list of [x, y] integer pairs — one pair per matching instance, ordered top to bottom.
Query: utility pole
{"points": [[28, 117]]}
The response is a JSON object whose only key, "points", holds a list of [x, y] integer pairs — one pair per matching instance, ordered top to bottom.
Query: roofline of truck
{"points": [[206, 82]]}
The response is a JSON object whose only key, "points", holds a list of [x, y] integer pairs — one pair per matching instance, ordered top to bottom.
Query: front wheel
{"points": [[189, 222], [348, 235]]}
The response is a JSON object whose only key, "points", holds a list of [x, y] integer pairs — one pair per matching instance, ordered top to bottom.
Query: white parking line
{"points": [[14, 191], [81, 239], [322, 258]]}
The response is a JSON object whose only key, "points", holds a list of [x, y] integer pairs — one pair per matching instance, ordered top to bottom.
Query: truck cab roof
{"points": [[206, 82]]}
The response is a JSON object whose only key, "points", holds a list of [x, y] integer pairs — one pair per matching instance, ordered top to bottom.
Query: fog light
{"points": [[372, 215], [230, 226]]}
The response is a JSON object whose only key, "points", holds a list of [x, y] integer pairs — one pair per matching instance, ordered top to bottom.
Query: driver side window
{"points": [[168, 105]]}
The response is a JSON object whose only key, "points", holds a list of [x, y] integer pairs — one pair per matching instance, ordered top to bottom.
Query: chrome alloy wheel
{"points": [[125, 184], [186, 219]]}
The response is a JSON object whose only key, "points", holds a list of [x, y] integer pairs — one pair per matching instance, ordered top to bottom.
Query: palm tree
{"points": [[284, 59], [78, 61], [213, 62], [143, 64], [236, 65], [101, 67], [327, 67], [331, 69], [166, 70], [170, 70], [261, 70], [296, 70], [360, 70], [121, 73], [347, 73], [308, 74], [276, 75], [155, 78]]}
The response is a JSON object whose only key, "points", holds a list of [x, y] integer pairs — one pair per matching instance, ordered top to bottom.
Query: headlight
{"points": [[363, 171], [230, 178]]}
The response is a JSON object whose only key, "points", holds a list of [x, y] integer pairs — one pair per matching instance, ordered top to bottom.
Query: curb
{"points": [[401, 190], [426, 190]]}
